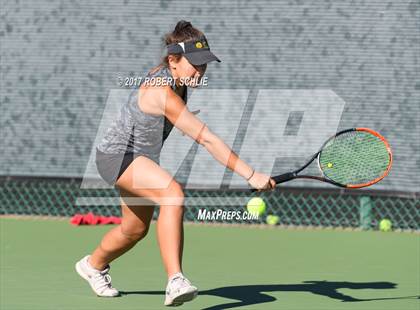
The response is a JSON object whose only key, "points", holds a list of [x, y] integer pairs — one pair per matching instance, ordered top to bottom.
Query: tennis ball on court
{"points": [[329, 165], [256, 205], [272, 219], [385, 225]]}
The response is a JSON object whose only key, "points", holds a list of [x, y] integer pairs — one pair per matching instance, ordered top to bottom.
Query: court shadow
{"points": [[246, 295]]}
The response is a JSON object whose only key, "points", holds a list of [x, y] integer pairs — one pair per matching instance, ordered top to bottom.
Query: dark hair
{"points": [[183, 32]]}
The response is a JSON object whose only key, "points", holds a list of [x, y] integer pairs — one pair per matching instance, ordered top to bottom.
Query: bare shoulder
{"points": [[152, 99]]}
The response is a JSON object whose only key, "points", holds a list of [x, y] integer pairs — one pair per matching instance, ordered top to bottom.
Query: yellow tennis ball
{"points": [[329, 165], [256, 205], [272, 219], [385, 225]]}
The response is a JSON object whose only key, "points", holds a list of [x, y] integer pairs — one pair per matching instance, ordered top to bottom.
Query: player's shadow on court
{"points": [[254, 294]]}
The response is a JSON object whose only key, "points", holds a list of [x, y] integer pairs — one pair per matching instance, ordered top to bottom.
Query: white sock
{"points": [[90, 266], [178, 274]]}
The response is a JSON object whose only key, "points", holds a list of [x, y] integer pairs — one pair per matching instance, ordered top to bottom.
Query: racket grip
{"points": [[284, 177], [281, 178]]}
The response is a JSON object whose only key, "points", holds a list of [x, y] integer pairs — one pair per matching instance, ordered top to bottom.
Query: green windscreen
{"points": [[355, 157]]}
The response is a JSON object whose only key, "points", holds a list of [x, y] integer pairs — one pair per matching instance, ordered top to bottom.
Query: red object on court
{"points": [[77, 219], [91, 219]]}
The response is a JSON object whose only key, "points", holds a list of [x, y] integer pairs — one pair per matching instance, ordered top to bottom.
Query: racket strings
{"points": [[355, 157]]}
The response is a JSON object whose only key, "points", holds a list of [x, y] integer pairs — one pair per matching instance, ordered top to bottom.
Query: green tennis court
{"points": [[234, 268]]}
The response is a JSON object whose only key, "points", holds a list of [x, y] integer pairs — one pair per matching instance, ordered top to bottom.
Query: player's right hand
{"points": [[262, 182]]}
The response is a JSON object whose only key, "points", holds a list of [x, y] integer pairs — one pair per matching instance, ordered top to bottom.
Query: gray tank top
{"points": [[137, 132]]}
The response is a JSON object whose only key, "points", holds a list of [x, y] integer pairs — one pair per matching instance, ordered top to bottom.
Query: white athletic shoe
{"points": [[99, 281], [179, 290]]}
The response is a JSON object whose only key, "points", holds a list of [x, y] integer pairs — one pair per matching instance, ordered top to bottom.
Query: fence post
{"points": [[365, 210]]}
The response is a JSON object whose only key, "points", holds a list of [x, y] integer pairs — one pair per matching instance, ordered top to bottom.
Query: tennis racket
{"points": [[352, 158]]}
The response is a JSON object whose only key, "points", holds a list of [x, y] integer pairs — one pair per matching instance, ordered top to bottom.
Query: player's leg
{"points": [[147, 179], [134, 227], [170, 230]]}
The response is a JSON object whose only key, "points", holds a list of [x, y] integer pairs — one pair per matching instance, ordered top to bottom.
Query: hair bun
{"points": [[182, 24]]}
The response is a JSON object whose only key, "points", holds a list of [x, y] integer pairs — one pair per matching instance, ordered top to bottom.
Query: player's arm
{"points": [[178, 114]]}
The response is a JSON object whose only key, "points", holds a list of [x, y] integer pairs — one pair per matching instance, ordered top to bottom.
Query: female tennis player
{"points": [[128, 157]]}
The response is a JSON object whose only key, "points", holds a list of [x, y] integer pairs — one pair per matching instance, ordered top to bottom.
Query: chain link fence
{"points": [[297, 207]]}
